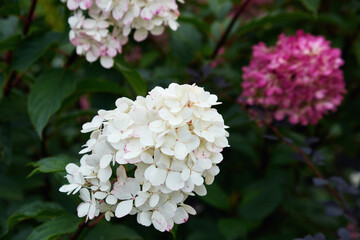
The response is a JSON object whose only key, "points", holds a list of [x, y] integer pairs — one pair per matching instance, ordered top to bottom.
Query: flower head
{"points": [[102, 34], [298, 78], [174, 138]]}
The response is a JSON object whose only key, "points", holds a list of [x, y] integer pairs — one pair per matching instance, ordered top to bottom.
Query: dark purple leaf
{"points": [[206, 70], [271, 137], [311, 140], [306, 150], [318, 158], [319, 182], [332, 209], [344, 234], [319, 236]]}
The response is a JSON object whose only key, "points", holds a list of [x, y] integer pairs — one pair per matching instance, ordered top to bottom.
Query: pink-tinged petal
{"points": [[72, 5], [146, 14], [123, 208], [181, 216], [159, 221]]}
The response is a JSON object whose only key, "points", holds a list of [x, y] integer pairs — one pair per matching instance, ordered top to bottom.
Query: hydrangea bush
{"points": [[174, 138], [154, 157]]}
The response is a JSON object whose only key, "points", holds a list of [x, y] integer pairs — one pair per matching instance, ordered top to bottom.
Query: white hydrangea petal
{"points": [[106, 62], [180, 150], [105, 160], [71, 168], [104, 174], [196, 178], [174, 181], [200, 190], [85, 195], [100, 195], [111, 199], [154, 200], [123, 208], [83, 209], [189, 209], [144, 218]]}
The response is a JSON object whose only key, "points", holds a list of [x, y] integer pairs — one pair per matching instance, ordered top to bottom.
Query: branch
{"points": [[29, 17], [224, 37], [313, 168], [84, 225]]}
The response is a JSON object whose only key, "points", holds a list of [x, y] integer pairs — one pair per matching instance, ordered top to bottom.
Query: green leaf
{"points": [[311, 5], [9, 7], [277, 17], [10, 43], [185, 43], [32, 48], [132, 76], [98, 85], [45, 98], [52, 164], [9, 189], [216, 197], [260, 200], [33, 210], [55, 227], [232, 228], [107, 231]]}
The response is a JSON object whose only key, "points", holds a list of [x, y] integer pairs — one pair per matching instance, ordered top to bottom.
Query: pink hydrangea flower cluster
{"points": [[99, 28], [299, 78]]}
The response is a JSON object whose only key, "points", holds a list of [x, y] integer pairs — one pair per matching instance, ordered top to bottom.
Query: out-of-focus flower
{"points": [[109, 24], [299, 78], [174, 138]]}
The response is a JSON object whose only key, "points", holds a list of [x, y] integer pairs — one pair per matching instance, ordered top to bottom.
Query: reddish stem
{"points": [[29, 18], [228, 29]]}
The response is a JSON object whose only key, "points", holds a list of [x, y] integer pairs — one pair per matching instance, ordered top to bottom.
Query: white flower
{"points": [[174, 139], [89, 207]]}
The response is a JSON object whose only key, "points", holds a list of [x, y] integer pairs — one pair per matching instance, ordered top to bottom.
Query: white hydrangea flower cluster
{"points": [[99, 28], [174, 138]]}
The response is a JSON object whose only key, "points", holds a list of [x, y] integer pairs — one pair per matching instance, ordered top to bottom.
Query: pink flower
{"points": [[299, 78]]}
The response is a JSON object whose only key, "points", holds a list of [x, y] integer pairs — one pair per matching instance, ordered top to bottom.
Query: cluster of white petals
{"points": [[99, 28], [174, 138]]}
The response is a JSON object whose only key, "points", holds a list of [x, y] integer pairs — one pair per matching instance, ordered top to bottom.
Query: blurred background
{"points": [[264, 190]]}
